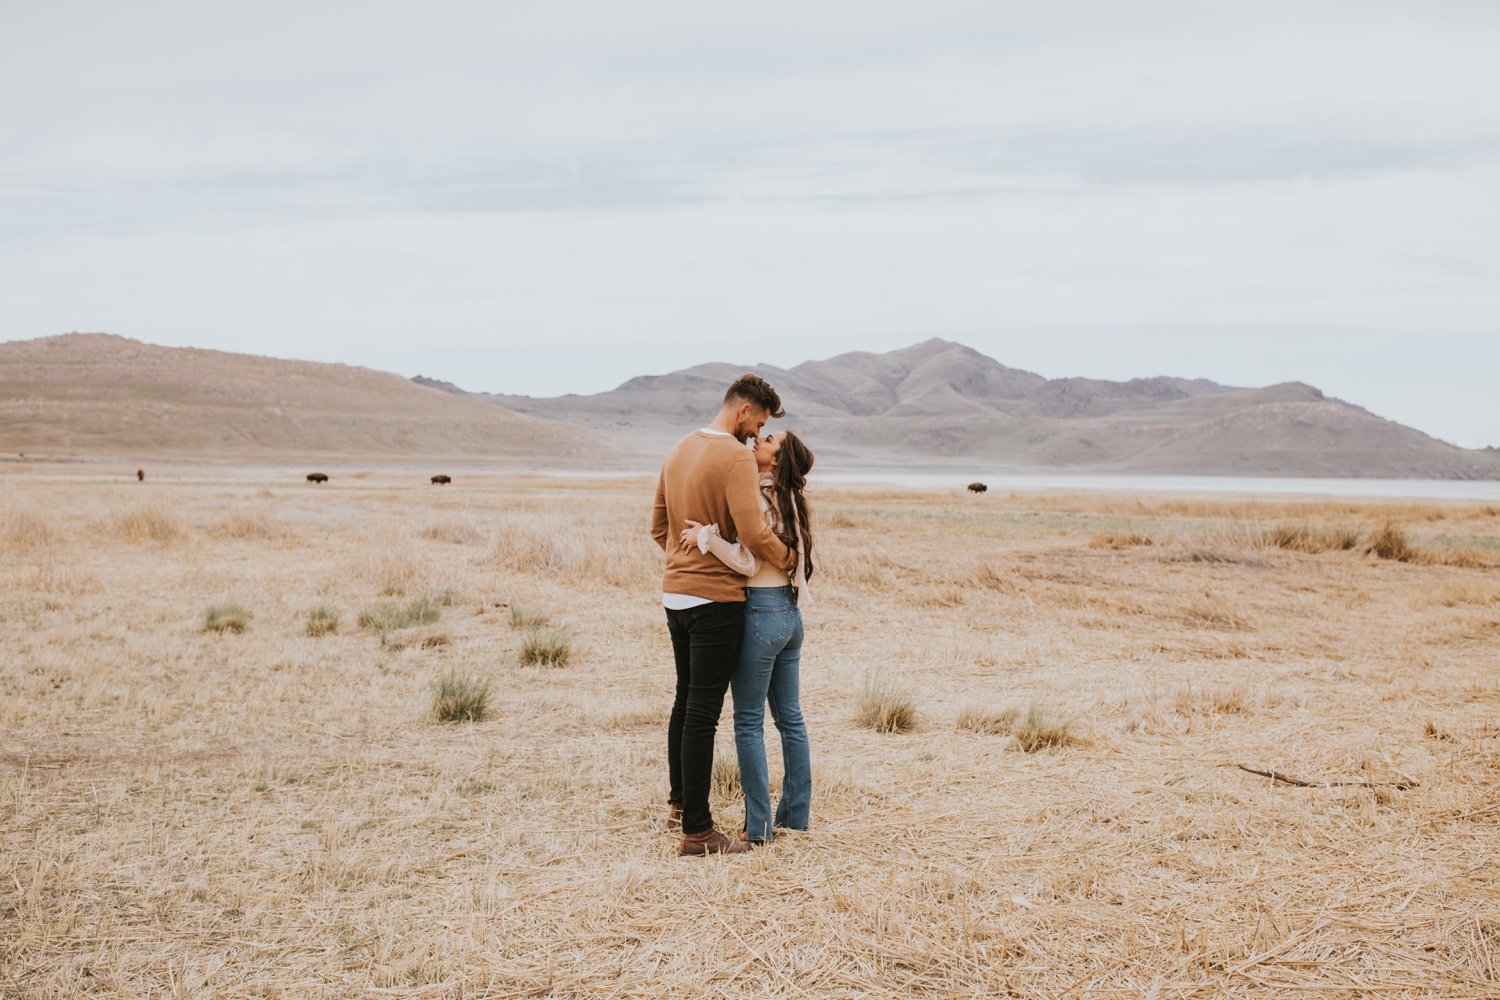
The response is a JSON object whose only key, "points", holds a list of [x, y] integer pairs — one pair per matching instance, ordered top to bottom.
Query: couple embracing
{"points": [[733, 524]]}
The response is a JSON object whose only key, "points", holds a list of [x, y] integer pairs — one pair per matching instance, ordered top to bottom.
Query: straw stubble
{"points": [[279, 815]]}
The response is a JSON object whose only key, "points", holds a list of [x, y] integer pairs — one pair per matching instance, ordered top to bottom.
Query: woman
{"points": [[771, 652]]}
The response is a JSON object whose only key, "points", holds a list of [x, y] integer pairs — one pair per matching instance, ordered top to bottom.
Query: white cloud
{"points": [[365, 183]]}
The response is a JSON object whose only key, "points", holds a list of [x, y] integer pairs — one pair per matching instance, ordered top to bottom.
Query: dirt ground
{"points": [[269, 813]]}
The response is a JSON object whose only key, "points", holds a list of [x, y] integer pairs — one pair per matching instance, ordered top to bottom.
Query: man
{"points": [[709, 477]]}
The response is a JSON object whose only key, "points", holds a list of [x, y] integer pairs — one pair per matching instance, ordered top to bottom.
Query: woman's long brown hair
{"points": [[793, 462]]}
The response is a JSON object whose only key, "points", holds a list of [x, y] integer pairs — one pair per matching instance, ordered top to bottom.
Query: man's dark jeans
{"points": [[706, 646]]}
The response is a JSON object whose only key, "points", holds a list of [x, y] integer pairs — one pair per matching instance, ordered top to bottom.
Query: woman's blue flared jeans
{"points": [[770, 658]]}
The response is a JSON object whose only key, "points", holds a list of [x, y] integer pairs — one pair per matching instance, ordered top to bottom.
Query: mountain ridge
{"points": [[941, 401], [933, 404]]}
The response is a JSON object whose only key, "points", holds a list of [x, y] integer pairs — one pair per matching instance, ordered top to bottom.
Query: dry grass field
{"points": [[222, 775]]}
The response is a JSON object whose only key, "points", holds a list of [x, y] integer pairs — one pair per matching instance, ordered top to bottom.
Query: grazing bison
{"points": [[140, 475], [317, 477], [441, 480], [977, 487]]}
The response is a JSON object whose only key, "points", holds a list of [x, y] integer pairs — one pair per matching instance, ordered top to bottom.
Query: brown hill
{"points": [[85, 395], [941, 403]]}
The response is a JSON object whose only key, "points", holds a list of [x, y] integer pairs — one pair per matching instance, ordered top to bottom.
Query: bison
{"points": [[140, 475], [317, 477], [441, 480], [977, 487]]}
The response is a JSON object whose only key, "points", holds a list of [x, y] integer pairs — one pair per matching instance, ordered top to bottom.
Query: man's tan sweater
{"points": [[711, 479]]}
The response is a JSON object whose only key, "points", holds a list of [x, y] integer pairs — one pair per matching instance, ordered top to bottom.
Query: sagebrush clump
{"points": [[1390, 542], [389, 617], [226, 618], [524, 618], [322, 620], [546, 648], [461, 698], [886, 707], [1037, 731]]}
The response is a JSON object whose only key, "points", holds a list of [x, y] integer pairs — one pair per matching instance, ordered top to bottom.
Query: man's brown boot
{"points": [[673, 822], [711, 841]]}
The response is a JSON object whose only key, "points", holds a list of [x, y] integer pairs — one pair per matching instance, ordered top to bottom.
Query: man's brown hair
{"points": [[757, 391]]}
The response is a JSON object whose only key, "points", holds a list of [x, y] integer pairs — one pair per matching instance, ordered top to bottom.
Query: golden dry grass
{"points": [[144, 523], [1313, 539], [1117, 540], [1389, 542], [388, 617], [226, 618], [525, 618], [322, 620], [546, 648], [886, 707], [989, 721], [1037, 730], [276, 815]]}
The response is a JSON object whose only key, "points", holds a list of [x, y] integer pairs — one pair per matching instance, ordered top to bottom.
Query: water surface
{"points": [[1253, 486]]}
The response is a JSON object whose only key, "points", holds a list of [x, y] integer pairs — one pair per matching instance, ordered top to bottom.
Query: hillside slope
{"points": [[82, 395]]}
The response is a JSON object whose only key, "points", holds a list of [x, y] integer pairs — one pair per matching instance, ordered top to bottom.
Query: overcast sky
{"points": [[545, 197]]}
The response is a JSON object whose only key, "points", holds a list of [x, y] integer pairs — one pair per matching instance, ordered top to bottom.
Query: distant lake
{"points": [[1426, 489]]}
